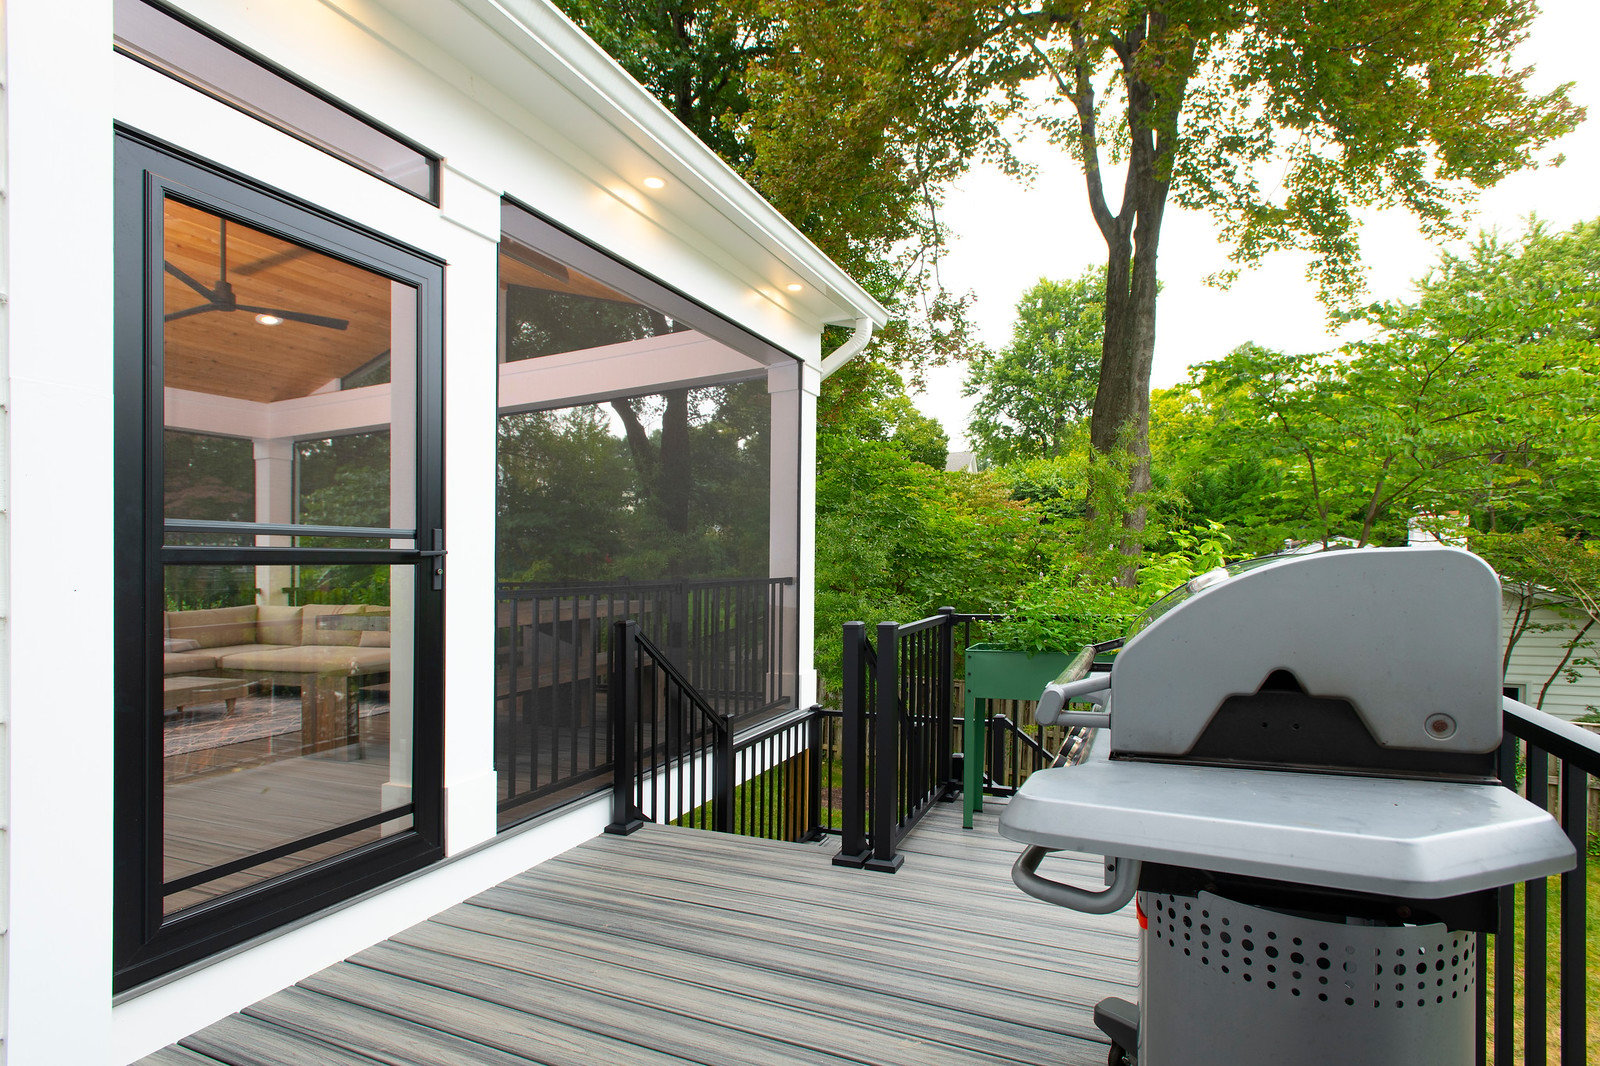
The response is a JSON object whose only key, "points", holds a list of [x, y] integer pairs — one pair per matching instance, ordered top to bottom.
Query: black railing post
{"points": [[944, 705], [623, 709], [886, 753], [814, 757], [722, 776], [853, 850], [1535, 897], [1505, 943], [1574, 970]]}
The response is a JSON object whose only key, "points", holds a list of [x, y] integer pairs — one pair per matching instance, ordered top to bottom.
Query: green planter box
{"points": [[995, 673]]}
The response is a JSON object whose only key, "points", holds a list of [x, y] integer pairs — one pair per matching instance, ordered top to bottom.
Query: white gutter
{"points": [[850, 348]]}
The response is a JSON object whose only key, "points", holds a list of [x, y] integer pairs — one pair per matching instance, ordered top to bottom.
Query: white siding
{"points": [[5, 561], [1536, 655]]}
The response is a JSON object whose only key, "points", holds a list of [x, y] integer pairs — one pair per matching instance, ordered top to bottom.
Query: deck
{"points": [[674, 946]]}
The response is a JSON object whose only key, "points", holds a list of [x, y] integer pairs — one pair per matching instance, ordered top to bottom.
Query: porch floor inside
{"points": [[675, 945]]}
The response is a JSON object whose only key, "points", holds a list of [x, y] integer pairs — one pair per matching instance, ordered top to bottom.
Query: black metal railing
{"points": [[732, 639], [898, 699], [678, 759], [1550, 762]]}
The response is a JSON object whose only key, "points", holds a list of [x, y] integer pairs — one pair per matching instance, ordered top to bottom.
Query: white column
{"points": [[56, 126], [470, 375], [792, 388], [274, 503], [402, 514]]}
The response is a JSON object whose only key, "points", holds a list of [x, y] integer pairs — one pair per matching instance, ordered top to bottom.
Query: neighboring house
{"points": [[298, 297], [967, 461], [1550, 643]]}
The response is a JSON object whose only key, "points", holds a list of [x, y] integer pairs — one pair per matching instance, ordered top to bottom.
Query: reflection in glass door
{"points": [[271, 720]]}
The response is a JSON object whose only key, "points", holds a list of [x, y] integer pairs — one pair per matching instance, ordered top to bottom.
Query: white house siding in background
{"points": [[5, 606], [1536, 656]]}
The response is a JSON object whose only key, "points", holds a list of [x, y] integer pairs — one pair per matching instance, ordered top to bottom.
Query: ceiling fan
{"points": [[220, 297]]}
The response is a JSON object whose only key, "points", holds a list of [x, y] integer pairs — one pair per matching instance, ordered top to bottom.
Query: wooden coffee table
{"points": [[185, 689]]}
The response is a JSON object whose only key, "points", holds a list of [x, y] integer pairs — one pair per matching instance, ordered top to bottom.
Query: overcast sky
{"points": [[1007, 236]]}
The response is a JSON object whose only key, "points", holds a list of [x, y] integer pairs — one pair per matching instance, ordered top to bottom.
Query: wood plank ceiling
{"points": [[229, 353]]}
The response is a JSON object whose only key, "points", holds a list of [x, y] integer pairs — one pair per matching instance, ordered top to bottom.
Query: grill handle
{"points": [[1096, 689], [1114, 897]]}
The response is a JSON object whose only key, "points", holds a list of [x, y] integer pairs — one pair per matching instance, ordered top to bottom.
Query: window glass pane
{"points": [[177, 49], [552, 310], [281, 387], [645, 470], [208, 477], [280, 722]]}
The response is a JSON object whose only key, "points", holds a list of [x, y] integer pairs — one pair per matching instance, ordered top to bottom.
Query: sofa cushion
{"points": [[278, 624], [217, 627], [312, 631], [375, 638], [311, 659], [188, 662]]}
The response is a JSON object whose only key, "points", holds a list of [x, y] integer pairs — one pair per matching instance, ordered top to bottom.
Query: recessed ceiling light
{"points": [[653, 182], [795, 286], [269, 320]]}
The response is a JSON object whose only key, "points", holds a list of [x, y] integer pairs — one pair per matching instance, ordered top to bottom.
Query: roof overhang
{"points": [[637, 136]]}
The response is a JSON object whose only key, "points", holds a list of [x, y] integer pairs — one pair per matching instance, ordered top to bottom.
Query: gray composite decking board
{"points": [[929, 898], [822, 919], [869, 941], [674, 945], [779, 981], [769, 1001], [611, 1013], [402, 1022], [242, 1041], [178, 1056]]}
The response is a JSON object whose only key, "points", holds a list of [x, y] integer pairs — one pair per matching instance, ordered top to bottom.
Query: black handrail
{"points": [[729, 636], [898, 698], [1537, 737], [678, 759]]}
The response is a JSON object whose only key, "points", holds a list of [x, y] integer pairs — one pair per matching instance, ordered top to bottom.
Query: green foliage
{"points": [[1033, 393], [1479, 398], [208, 478], [666, 494], [897, 539], [1081, 603]]}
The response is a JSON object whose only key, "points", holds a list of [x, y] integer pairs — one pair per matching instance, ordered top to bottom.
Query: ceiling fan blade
{"points": [[268, 262], [209, 294], [198, 310], [298, 316]]}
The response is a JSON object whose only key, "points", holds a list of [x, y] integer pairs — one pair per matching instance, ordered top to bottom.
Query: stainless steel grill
{"points": [[1299, 786]]}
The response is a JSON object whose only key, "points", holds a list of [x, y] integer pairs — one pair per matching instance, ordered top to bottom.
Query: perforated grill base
{"points": [[1225, 982]]}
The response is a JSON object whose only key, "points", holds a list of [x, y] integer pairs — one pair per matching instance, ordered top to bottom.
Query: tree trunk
{"points": [[1119, 425]]}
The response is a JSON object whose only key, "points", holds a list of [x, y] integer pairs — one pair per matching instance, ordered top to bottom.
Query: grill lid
{"points": [[1408, 638]]}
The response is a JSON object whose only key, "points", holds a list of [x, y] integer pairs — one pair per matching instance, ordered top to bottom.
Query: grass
{"points": [[1553, 968]]}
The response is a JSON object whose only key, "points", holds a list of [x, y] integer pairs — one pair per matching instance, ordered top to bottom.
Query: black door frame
{"points": [[146, 943]]}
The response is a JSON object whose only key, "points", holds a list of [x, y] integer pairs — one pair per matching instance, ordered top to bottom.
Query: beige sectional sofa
{"points": [[265, 640], [326, 650]]}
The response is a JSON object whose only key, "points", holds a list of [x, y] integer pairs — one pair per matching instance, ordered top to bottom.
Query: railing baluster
{"points": [[624, 699], [1537, 782], [853, 845], [1574, 938], [1505, 946]]}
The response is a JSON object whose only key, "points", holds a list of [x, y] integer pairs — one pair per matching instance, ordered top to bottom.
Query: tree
{"points": [[1357, 105], [1284, 119], [1035, 389], [1481, 397], [1541, 567]]}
